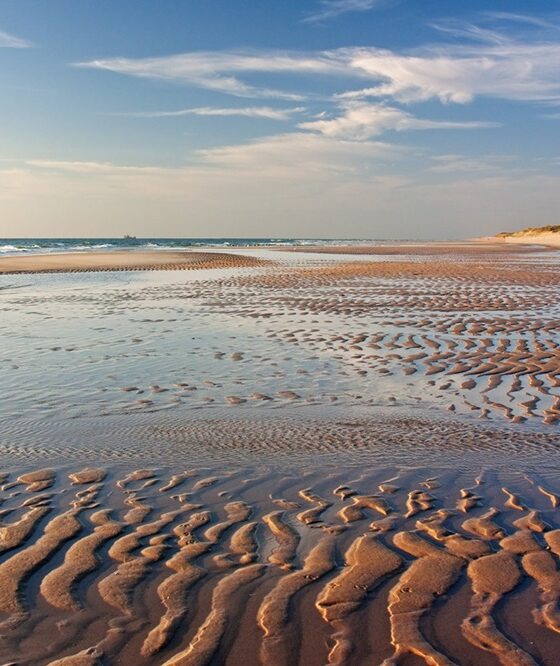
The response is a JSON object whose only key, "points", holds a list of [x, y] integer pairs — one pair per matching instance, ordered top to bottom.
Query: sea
{"points": [[15, 246]]}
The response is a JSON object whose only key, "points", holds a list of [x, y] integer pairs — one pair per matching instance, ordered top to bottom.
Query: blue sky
{"points": [[326, 118]]}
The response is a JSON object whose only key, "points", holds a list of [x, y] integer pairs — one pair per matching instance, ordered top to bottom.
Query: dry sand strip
{"points": [[548, 235], [548, 240], [74, 262]]}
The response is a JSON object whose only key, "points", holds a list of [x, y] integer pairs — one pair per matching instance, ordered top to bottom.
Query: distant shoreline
{"points": [[33, 246], [139, 259]]}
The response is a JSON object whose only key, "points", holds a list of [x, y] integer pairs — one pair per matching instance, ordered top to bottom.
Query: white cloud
{"points": [[329, 9], [536, 21], [10, 42], [496, 66], [212, 70], [515, 71], [246, 112], [360, 121], [299, 156], [102, 168]]}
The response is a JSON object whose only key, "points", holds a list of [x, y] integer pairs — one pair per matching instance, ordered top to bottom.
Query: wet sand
{"points": [[490, 245], [121, 261], [342, 460], [261, 565]]}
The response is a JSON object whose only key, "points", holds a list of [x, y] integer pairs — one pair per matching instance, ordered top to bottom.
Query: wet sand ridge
{"points": [[122, 261], [197, 566]]}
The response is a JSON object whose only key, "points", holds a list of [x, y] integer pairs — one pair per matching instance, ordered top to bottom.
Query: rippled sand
{"points": [[121, 261], [283, 459], [231, 564]]}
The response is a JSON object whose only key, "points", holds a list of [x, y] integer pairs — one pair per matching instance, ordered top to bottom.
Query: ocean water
{"points": [[14, 246]]}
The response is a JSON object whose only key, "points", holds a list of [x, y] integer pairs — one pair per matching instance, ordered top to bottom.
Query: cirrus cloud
{"points": [[329, 9], [9, 41], [487, 63], [244, 112], [360, 121]]}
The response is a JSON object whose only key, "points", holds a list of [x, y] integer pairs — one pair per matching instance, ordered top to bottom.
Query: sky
{"points": [[278, 118]]}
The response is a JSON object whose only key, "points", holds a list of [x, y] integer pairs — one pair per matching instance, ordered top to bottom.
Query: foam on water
{"points": [[47, 245]]}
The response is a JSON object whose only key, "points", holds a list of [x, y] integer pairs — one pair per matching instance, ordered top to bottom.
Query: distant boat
{"points": [[127, 237]]}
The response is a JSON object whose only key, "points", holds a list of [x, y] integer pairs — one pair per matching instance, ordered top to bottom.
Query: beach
{"points": [[127, 260], [342, 454]]}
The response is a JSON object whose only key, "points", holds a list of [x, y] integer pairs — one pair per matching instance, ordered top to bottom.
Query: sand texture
{"points": [[122, 260], [342, 456], [215, 570]]}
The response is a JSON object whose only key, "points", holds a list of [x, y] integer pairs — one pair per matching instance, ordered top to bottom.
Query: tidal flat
{"points": [[329, 455]]}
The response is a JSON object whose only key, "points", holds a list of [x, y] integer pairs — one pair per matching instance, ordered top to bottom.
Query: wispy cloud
{"points": [[329, 9], [537, 21], [8, 41], [486, 63], [213, 69], [506, 69], [245, 112], [360, 121], [298, 155], [292, 156], [462, 164], [101, 168]]}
